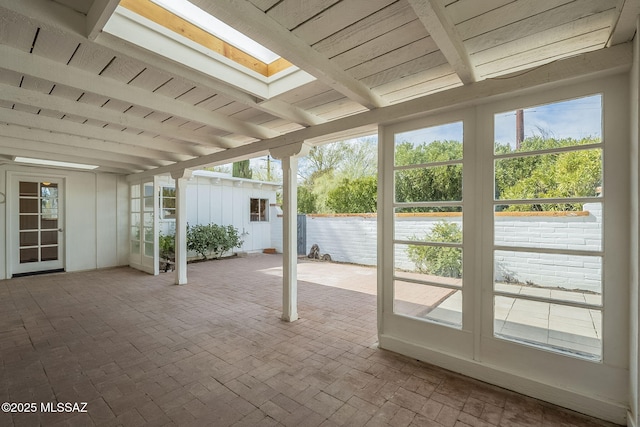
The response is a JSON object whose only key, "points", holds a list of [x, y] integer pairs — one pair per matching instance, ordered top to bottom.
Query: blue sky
{"points": [[576, 118], [450, 131]]}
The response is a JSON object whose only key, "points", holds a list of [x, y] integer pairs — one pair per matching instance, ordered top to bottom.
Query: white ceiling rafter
{"points": [[98, 15], [251, 21], [625, 28], [443, 32], [614, 59], [29, 64], [66, 106], [291, 112], [98, 138], [60, 144], [27, 148]]}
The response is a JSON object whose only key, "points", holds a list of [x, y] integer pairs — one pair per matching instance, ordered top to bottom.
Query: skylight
{"points": [[189, 12], [44, 162]]}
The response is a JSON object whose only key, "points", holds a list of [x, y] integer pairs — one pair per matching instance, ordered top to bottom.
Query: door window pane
{"points": [[561, 124], [429, 145], [559, 175], [432, 184], [28, 189], [28, 205], [28, 222], [48, 223], [549, 228], [49, 237], [28, 238], [49, 253], [28, 255], [550, 275], [427, 302], [567, 329]]}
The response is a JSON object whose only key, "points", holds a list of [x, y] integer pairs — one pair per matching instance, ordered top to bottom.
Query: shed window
{"points": [[259, 210]]}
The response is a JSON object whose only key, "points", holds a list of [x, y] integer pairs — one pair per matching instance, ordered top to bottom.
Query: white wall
{"points": [[226, 202], [96, 217], [352, 239], [634, 252]]}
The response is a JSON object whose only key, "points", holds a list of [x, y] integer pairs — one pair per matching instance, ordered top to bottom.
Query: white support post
{"points": [[289, 156], [181, 177]]}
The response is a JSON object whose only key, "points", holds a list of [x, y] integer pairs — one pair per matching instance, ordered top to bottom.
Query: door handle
{"points": [[60, 230]]}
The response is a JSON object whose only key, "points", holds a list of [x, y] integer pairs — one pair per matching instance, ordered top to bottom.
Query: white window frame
{"points": [[261, 213], [596, 388]]}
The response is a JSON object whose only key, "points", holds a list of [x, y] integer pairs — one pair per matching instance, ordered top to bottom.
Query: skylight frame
{"points": [[132, 23], [209, 23]]}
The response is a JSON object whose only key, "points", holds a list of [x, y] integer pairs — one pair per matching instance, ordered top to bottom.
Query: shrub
{"points": [[212, 239], [167, 246], [438, 260]]}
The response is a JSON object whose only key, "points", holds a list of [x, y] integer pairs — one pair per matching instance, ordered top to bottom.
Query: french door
{"points": [[37, 231]]}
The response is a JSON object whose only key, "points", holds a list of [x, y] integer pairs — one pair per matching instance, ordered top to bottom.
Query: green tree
{"points": [[327, 166], [242, 169], [558, 175], [427, 184], [354, 196], [306, 200]]}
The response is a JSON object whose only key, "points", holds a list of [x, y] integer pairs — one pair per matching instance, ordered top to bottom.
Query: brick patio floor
{"points": [[142, 351]]}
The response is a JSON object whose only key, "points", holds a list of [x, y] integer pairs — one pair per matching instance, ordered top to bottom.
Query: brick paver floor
{"points": [[142, 351]]}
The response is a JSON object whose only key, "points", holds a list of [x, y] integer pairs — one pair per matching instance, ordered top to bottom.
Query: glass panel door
{"points": [[427, 224], [39, 226], [548, 227], [143, 240]]}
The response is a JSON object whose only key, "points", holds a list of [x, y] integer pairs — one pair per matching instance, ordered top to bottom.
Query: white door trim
{"points": [[11, 241]]}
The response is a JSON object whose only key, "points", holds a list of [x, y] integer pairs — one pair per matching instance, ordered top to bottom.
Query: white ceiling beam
{"points": [[98, 15], [57, 17], [254, 23], [624, 28], [443, 32], [612, 60], [46, 69], [66, 106], [291, 112], [117, 140], [71, 144], [13, 147]]}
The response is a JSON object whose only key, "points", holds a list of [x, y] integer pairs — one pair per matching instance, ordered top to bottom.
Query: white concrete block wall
{"points": [[565, 232], [346, 238], [352, 239]]}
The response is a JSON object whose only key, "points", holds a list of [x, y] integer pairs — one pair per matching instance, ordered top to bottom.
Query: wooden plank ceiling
{"points": [[65, 96]]}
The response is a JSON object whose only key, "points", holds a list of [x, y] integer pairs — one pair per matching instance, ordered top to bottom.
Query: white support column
{"points": [[289, 156], [181, 177]]}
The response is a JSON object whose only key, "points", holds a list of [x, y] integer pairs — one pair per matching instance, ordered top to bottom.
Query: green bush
{"points": [[212, 239], [167, 246], [438, 260]]}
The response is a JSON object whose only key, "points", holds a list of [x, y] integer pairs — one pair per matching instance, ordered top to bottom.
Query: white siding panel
{"points": [[106, 220], [80, 222]]}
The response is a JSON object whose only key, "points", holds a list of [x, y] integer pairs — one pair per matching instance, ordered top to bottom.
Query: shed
{"points": [[219, 198]]}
